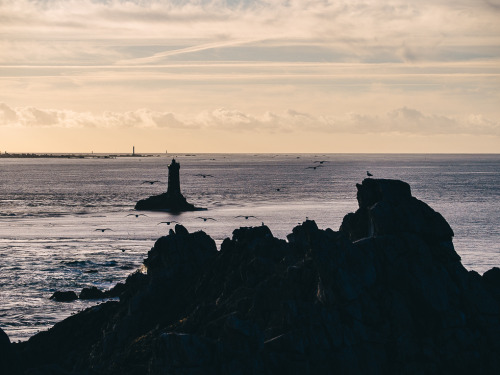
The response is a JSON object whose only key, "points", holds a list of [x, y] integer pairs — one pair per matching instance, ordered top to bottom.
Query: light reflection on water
{"points": [[50, 210]]}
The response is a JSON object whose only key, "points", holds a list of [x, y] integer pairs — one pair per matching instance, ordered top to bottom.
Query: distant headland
{"points": [[29, 155], [172, 200]]}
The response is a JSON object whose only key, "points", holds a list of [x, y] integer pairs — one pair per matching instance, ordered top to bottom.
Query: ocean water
{"points": [[51, 211]]}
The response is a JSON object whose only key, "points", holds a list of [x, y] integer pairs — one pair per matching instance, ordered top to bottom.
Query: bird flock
{"points": [[317, 164]]}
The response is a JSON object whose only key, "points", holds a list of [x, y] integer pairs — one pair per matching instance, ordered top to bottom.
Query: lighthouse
{"points": [[174, 184], [172, 200]]}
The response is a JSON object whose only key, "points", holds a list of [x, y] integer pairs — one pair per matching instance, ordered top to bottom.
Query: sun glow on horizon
{"points": [[247, 76]]}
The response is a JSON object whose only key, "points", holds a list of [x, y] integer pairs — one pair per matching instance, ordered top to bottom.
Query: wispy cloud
{"points": [[109, 31], [270, 66], [402, 120]]}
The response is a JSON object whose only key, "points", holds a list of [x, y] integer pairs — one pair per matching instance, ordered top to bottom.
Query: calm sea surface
{"points": [[50, 210]]}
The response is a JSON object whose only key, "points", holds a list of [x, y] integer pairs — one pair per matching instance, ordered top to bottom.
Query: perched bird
{"points": [[368, 174], [204, 175], [150, 182], [136, 215], [246, 216], [206, 218], [167, 222], [103, 229]]}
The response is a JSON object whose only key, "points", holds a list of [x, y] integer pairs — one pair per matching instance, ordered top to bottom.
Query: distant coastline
{"points": [[7, 155]]}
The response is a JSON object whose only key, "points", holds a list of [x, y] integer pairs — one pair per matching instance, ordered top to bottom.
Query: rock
{"points": [[387, 207], [180, 254], [491, 279], [116, 291], [91, 293], [386, 294], [64, 296], [8, 358]]}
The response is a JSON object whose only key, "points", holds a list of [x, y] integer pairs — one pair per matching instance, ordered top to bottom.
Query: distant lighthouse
{"points": [[133, 150]]}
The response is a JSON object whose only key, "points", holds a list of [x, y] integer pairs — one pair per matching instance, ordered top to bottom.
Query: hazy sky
{"points": [[250, 76]]}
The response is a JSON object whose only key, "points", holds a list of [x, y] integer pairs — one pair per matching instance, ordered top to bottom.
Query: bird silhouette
{"points": [[321, 161], [314, 167], [368, 174], [203, 175], [150, 182], [136, 215], [246, 216], [206, 218], [167, 222], [103, 229]]}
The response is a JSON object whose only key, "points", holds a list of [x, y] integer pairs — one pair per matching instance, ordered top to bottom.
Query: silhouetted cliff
{"points": [[386, 294]]}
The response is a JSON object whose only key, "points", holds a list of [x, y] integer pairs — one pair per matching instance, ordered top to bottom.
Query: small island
{"points": [[172, 200]]}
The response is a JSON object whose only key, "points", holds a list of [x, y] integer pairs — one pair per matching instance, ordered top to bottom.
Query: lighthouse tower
{"points": [[174, 184], [172, 200]]}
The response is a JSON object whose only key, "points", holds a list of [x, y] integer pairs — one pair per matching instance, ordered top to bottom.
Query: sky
{"points": [[357, 76]]}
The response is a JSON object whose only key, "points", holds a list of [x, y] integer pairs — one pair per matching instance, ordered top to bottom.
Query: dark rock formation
{"points": [[172, 200], [91, 293], [386, 294], [64, 296], [8, 358]]}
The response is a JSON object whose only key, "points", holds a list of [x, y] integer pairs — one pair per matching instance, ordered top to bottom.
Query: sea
{"points": [[66, 224]]}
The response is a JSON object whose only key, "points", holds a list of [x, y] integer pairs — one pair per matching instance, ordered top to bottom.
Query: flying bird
{"points": [[321, 161], [314, 167], [368, 174], [204, 175], [150, 182], [136, 215], [246, 216], [206, 218], [167, 222], [103, 229]]}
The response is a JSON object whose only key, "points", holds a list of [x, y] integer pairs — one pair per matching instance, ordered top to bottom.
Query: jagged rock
{"points": [[387, 207], [180, 255], [491, 279], [116, 291], [91, 293], [386, 294], [64, 296], [8, 358]]}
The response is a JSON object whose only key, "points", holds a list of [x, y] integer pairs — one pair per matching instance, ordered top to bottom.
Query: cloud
{"points": [[101, 32], [49, 118], [403, 120]]}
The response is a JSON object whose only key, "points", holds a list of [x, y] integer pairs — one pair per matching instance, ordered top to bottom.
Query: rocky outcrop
{"points": [[167, 202], [386, 294], [64, 296], [8, 357]]}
